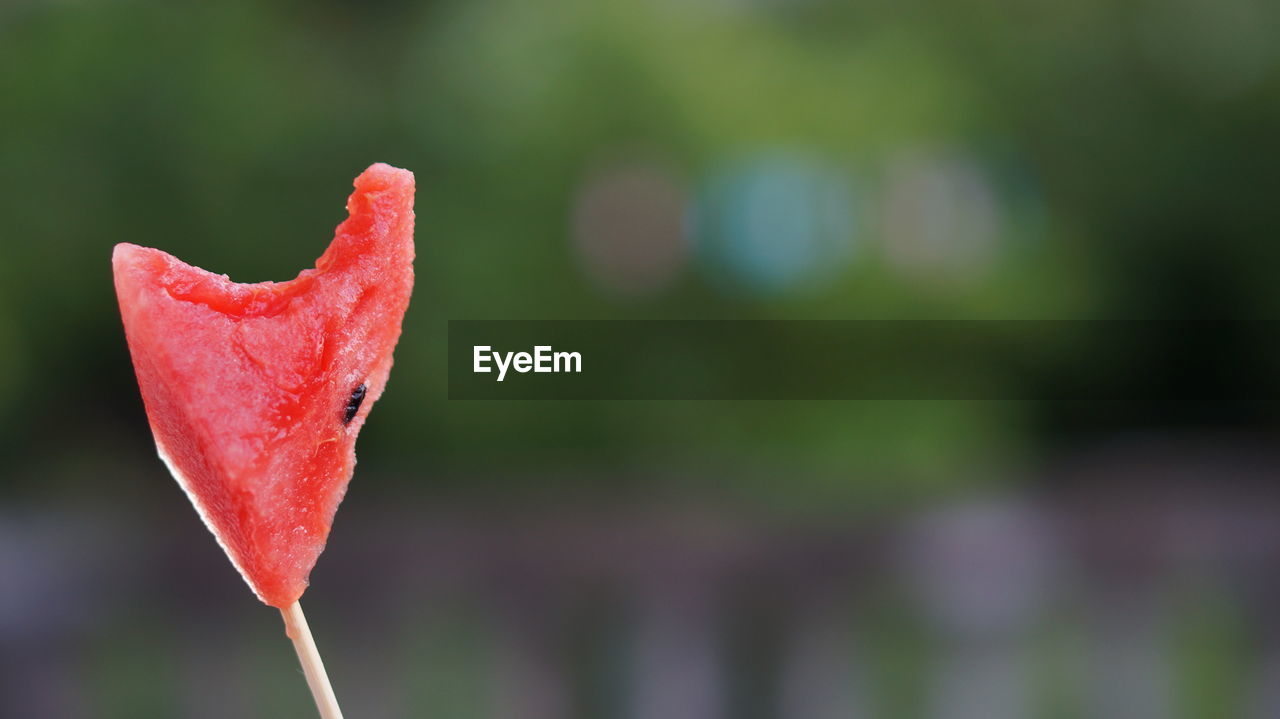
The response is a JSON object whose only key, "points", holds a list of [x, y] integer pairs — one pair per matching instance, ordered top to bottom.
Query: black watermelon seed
{"points": [[353, 404]]}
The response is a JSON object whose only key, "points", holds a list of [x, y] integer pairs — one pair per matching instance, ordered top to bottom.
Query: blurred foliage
{"points": [[227, 133]]}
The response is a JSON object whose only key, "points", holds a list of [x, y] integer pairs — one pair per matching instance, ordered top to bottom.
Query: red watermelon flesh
{"points": [[256, 392]]}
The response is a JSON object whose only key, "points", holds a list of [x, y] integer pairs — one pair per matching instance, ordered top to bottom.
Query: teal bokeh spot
{"points": [[775, 222]]}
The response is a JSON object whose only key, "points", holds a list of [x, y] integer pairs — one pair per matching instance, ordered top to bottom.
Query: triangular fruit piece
{"points": [[256, 392]]}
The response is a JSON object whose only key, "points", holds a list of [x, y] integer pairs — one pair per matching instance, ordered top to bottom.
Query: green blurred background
{"points": [[706, 159]]}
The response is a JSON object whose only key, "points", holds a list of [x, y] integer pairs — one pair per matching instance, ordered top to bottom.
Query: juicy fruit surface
{"points": [[256, 392]]}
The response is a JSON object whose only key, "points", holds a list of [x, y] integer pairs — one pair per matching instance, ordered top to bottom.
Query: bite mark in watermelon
{"points": [[256, 392]]}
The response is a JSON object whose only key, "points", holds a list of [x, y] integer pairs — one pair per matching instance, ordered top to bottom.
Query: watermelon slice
{"points": [[256, 392]]}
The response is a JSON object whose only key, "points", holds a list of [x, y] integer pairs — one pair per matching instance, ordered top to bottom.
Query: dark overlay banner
{"points": [[863, 359]]}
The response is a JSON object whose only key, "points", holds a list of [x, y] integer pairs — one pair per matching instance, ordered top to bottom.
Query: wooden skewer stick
{"points": [[295, 625]]}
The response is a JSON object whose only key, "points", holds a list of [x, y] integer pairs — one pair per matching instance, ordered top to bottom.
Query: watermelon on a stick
{"points": [[256, 392]]}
